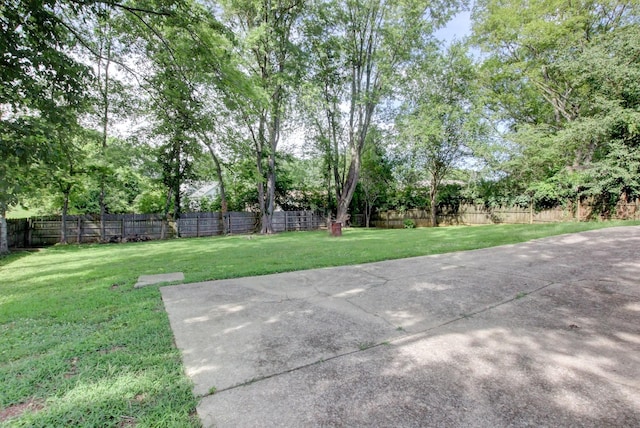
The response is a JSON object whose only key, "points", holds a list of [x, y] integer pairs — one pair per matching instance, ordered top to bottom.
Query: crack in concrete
{"points": [[501, 272], [375, 275], [320, 293], [373, 314], [385, 342]]}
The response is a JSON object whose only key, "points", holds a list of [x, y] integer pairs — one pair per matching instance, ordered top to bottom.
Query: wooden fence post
{"points": [[531, 212], [79, 231], [30, 232]]}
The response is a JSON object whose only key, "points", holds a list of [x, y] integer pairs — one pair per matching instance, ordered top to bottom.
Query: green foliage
{"points": [[39, 78], [564, 78], [41, 90], [441, 120], [376, 182], [297, 185], [450, 195], [410, 196], [151, 201], [409, 223]]}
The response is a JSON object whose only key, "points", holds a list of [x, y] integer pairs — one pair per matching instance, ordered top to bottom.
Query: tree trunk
{"points": [[105, 130], [274, 137], [260, 185], [176, 186], [349, 188], [223, 194], [271, 194], [433, 194], [224, 206], [65, 209], [103, 211], [165, 217], [4, 232]]}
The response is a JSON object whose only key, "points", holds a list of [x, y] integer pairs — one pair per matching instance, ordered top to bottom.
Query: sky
{"points": [[456, 29]]}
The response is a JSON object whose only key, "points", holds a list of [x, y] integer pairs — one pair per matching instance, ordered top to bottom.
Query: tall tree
{"points": [[267, 30], [359, 49], [538, 58], [192, 82], [40, 84], [43, 85], [442, 120]]}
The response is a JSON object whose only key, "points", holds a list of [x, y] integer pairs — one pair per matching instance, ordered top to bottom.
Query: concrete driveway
{"points": [[545, 333]]}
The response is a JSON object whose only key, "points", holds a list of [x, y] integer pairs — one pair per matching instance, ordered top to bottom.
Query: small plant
{"points": [[409, 223], [520, 295], [366, 345], [212, 390]]}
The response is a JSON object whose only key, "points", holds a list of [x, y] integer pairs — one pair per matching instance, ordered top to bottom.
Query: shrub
{"points": [[409, 223]]}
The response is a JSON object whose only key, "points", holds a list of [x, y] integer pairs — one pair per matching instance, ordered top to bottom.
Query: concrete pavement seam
{"points": [[371, 313], [379, 344]]}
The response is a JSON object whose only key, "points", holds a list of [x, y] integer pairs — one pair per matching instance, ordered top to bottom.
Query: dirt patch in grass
{"points": [[115, 348], [73, 368], [140, 398], [15, 411], [127, 422]]}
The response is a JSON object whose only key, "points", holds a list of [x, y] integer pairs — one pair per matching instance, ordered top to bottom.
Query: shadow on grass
{"points": [[15, 255]]}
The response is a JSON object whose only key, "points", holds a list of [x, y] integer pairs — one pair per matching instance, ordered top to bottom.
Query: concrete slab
{"points": [[144, 280], [418, 303], [545, 333], [230, 334], [520, 364]]}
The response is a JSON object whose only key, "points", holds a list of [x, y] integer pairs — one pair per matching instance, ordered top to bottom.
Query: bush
{"points": [[409, 223]]}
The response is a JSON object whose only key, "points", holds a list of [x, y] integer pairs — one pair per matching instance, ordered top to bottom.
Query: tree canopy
{"points": [[320, 104]]}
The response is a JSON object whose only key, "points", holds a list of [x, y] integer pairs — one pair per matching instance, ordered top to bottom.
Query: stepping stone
{"points": [[145, 280]]}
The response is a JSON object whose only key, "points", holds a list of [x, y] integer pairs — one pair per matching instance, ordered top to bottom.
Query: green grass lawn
{"points": [[81, 347]]}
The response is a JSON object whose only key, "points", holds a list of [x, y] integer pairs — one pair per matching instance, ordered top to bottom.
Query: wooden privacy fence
{"points": [[479, 214], [209, 224], [41, 231]]}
